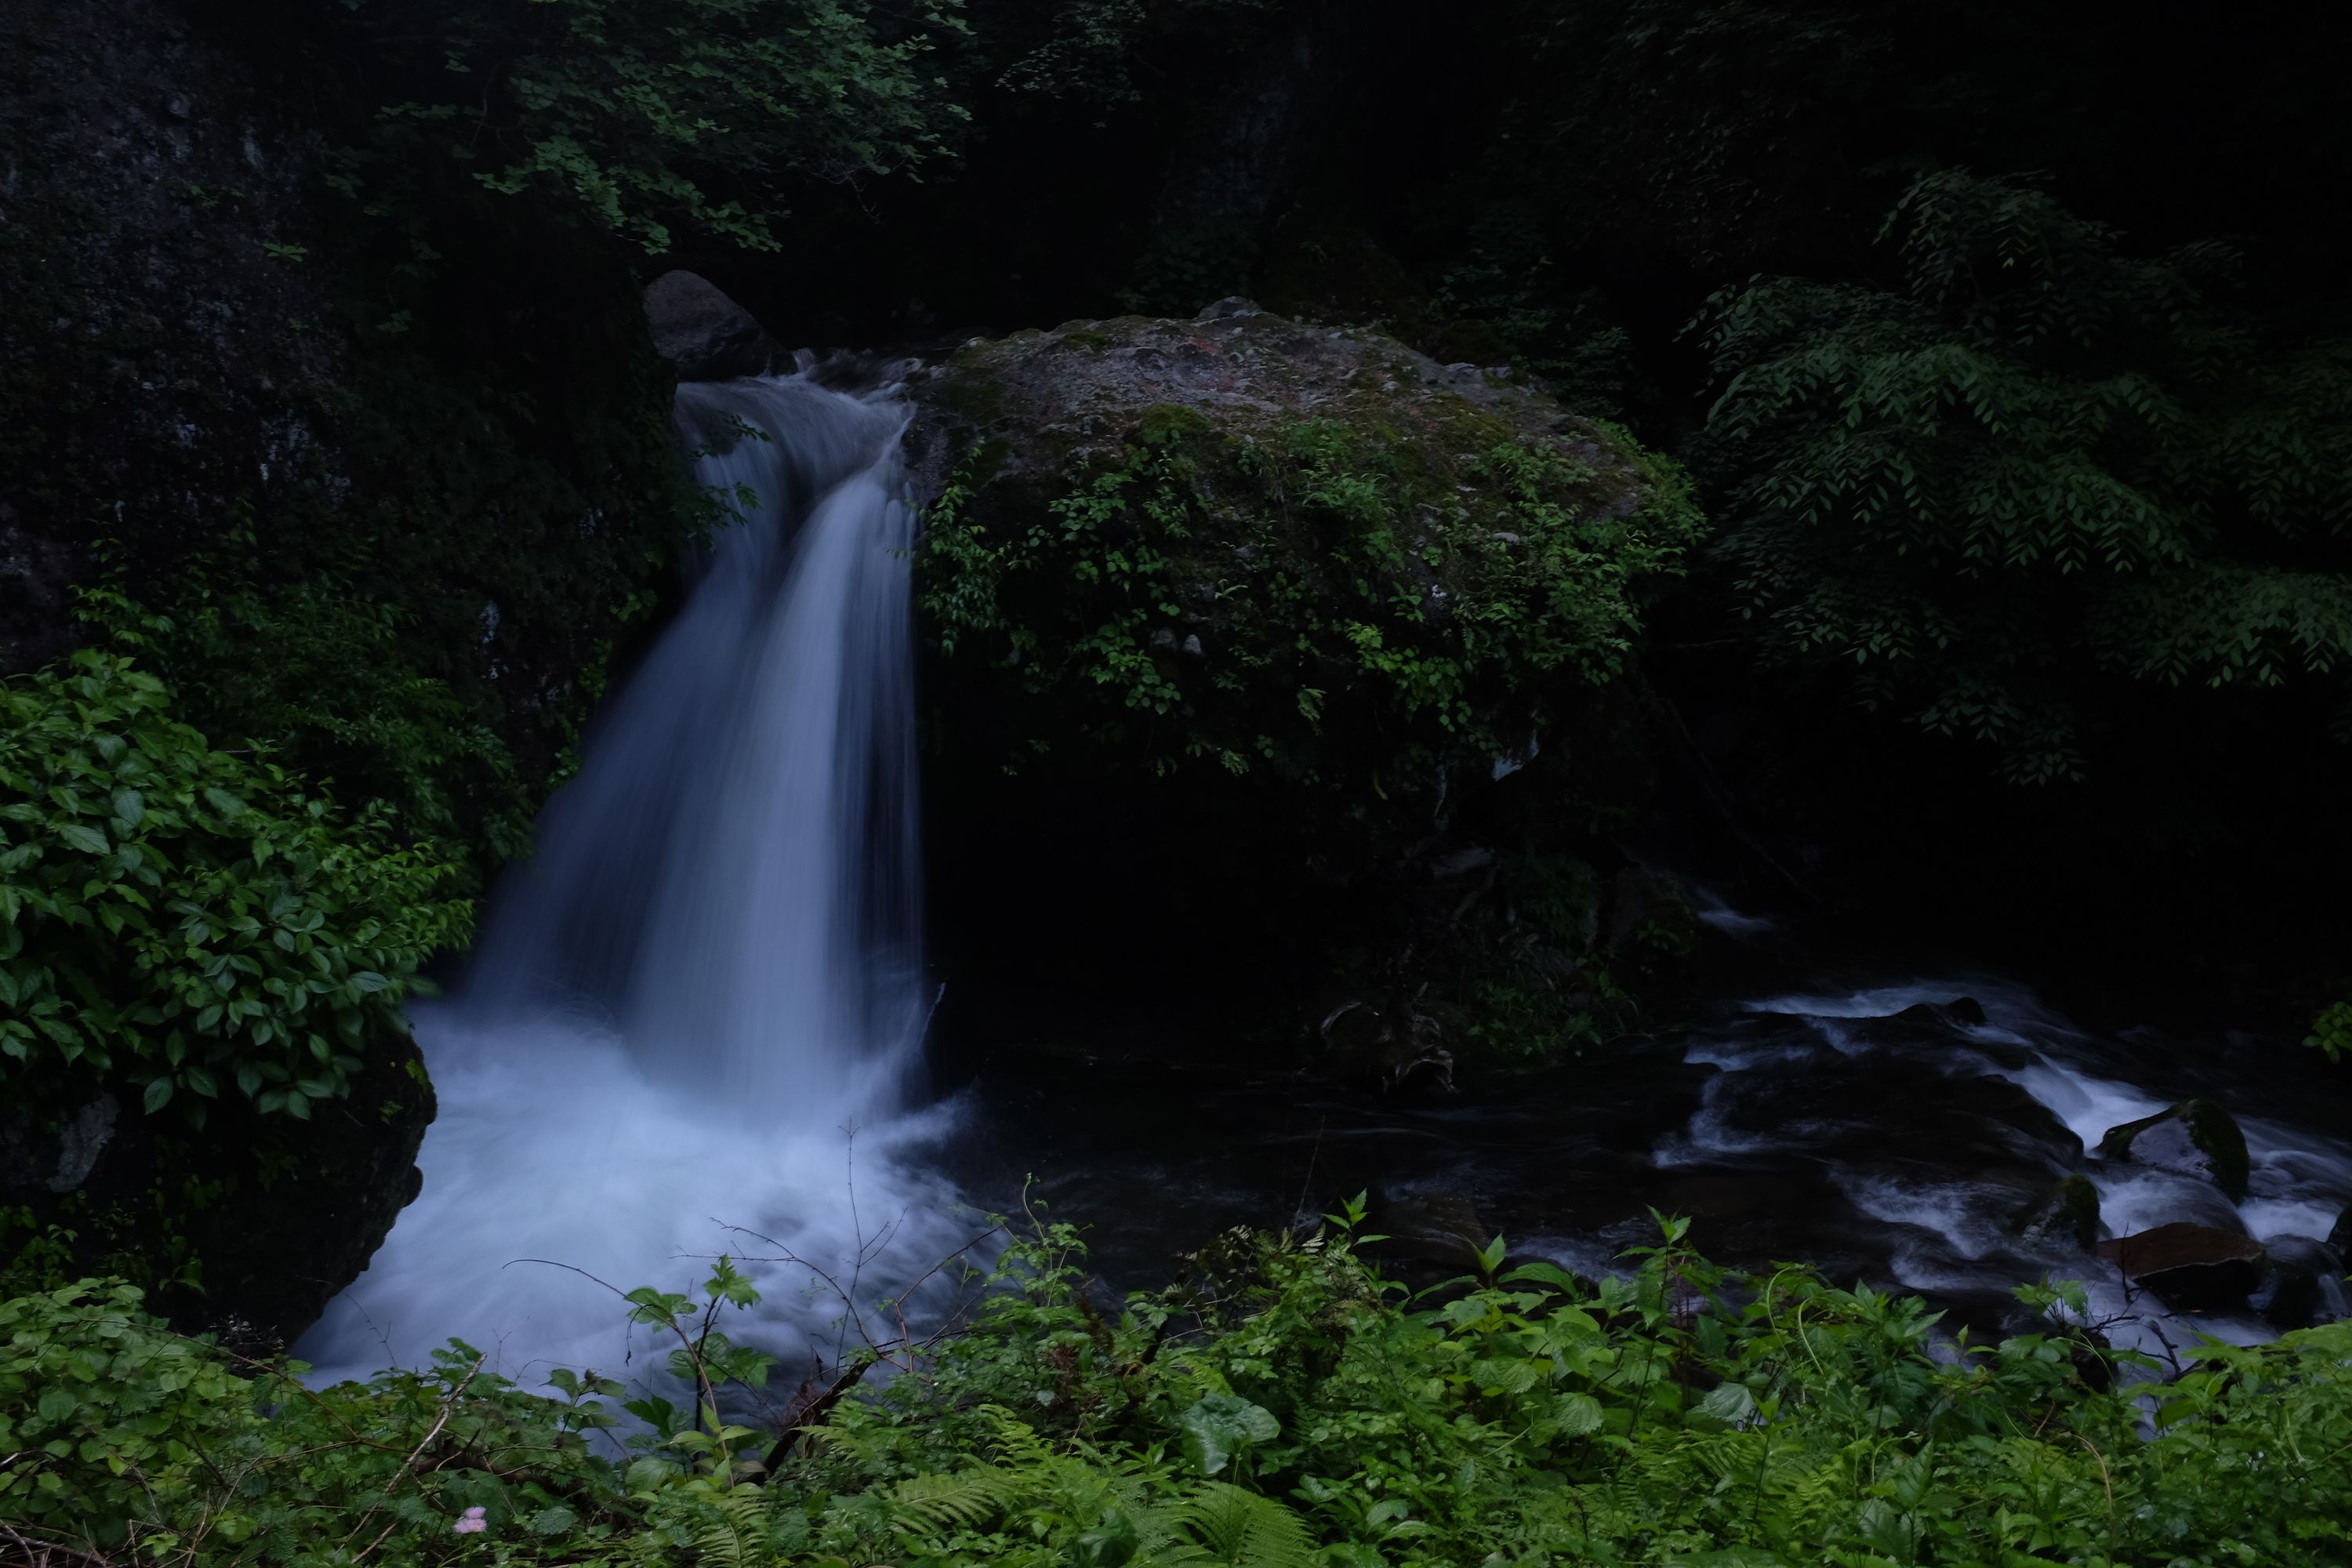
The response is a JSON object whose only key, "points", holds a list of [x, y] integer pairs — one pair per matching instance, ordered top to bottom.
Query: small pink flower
{"points": [[471, 1522]]}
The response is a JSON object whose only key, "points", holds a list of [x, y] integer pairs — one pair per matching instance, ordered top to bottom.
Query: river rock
{"points": [[705, 336], [1386, 1046], [2195, 1138], [2065, 1215], [1441, 1226], [2192, 1267], [2304, 1285]]}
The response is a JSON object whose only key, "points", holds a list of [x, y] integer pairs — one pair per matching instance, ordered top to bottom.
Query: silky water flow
{"points": [[694, 1009]]}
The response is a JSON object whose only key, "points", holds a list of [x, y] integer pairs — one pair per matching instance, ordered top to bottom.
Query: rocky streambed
{"points": [[1950, 1134]]}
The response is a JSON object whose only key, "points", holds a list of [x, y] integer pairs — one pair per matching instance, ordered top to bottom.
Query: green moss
{"points": [[1167, 424], [2068, 1212]]}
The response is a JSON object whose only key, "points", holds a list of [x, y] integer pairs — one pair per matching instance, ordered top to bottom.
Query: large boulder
{"points": [[703, 334], [1325, 645], [2195, 1138], [2194, 1268]]}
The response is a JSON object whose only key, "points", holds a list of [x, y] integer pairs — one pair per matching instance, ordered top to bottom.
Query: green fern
{"points": [[932, 1507], [1228, 1524], [738, 1537]]}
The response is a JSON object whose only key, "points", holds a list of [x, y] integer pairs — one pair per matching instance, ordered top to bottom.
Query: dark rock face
{"points": [[703, 333], [163, 350], [2196, 1138], [2066, 1216], [248, 1228], [2340, 1238], [2192, 1267]]}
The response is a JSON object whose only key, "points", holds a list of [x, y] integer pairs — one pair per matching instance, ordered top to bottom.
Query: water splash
{"points": [[711, 969]]}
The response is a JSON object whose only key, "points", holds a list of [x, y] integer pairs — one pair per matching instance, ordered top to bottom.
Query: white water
{"points": [[710, 971], [2300, 1181]]}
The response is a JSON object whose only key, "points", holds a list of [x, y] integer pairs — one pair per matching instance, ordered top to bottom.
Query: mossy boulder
{"points": [[1328, 646], [2195, 1138], [2065, 1215], [247, 1228]]}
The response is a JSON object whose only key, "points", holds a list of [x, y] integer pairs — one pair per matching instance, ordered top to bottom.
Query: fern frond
{"points": [[932, 1506], [1242, 1530], [738, 1537]]}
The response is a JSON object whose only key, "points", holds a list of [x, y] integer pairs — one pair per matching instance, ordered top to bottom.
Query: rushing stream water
{"points": [[711, 973]]}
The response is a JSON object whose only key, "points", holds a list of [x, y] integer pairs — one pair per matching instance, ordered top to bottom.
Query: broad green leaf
{"points": [[1219, 1425]]}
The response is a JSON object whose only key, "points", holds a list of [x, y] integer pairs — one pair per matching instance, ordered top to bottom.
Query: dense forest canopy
{"points": [[1891, 464]]}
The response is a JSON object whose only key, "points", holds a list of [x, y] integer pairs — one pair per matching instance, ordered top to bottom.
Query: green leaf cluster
{"points": [[695, 115], [2041, 468], [1346, 586], [188, 921], [1282, 1406]]}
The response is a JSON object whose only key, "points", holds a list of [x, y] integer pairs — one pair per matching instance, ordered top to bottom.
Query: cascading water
{"points": [[710, 971]]}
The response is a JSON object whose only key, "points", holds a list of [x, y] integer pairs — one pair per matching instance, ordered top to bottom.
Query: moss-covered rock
{"points": [[1352, 630], [2195, 1137], [2067, 1214], [249, 1228]]}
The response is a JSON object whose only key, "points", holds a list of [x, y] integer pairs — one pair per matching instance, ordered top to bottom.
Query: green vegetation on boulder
{"points": [[1247, 541], [1324, 608], [2068, 1215]]}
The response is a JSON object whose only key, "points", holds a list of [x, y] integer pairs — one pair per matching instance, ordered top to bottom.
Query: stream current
{"points": [[693, 1020]]}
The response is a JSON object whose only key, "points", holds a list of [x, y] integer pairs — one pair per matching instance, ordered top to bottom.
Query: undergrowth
{"points": [[1281, 1405]]}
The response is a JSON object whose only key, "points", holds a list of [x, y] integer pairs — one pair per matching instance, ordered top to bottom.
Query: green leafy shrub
{"points": [[696, 114], [2041, 470], [1351, 589], [187, 920], [2331, 1032], [1284, 1406]]}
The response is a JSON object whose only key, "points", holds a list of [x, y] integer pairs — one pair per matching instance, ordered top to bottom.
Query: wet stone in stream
{"points": [[2192, 1267]]}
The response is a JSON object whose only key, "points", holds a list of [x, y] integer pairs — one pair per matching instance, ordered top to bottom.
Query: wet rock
{"points": [[703, 333], [1386, 1048], [2196, 1138], [2067, 1215], [1441, 1226], [248, 1230], [2340, 1238], [2192, 1267], [2304, 1285]]}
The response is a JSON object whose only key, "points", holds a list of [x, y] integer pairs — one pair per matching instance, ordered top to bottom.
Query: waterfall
{"points": [[709, 971]]}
